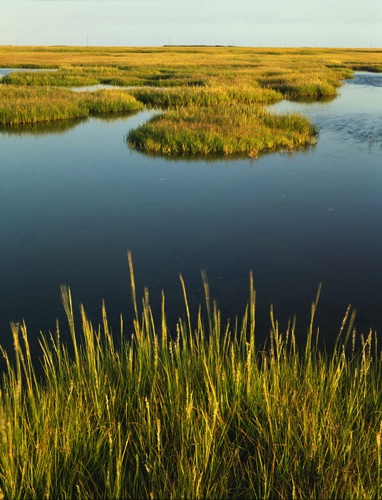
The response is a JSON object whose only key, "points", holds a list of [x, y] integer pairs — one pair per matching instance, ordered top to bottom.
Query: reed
{"points": [[201, 412]]}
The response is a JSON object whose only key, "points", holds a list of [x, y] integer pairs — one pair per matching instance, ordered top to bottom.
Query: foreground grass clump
{"points": [[28, 105], [237, 129], [203, 414]]}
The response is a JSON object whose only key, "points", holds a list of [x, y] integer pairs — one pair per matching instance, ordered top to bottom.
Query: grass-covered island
{"points": [[213, 98], [218, 120], [202, 412]]}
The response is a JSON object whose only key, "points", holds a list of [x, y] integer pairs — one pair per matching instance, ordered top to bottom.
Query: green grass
{"points": [[73, 76], [213, 95], [29, 105], [214, 120], [217, 120], [235, 129], [201, 413]]}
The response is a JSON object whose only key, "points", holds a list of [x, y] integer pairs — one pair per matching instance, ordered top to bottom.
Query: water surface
{"points": [[6, 71], [74, 200]]}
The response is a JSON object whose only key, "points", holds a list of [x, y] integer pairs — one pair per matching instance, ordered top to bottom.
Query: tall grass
{"points": [[201, 412]]}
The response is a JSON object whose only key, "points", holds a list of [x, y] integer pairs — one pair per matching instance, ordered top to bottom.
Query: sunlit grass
{"points": [[315, 71], [213, 96], [29, 105], [218, 120], [237, 129], [199, 412]]}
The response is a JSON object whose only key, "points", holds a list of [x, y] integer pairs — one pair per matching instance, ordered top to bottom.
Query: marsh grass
{"points": [[293, 71], [194, 85], [213, 95], [29, 105], [217, 120], [234, 129], [201, 412]]}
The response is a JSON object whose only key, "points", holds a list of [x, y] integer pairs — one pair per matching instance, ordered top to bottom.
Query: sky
{"points": [[253, 23]]}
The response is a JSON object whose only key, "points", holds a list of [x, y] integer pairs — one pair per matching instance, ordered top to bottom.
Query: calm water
{"points": [[6, 71], [73, 200]]}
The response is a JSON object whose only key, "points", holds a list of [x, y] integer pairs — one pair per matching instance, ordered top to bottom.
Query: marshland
{"points": [[259, 377]]}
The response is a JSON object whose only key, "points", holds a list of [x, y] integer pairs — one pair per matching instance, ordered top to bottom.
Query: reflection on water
{"points": [[55, 127], [72, 204]]}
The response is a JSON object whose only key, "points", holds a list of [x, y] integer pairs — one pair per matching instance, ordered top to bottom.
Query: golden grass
{"points": [[183, 56], [200, 65], [232, 82], [30, 105], [237, 129]]}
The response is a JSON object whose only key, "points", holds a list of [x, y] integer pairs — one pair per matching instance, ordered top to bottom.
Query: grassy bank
{"points": [[28, 105], [203, 413]]}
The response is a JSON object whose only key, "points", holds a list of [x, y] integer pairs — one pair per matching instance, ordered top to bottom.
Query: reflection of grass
{"points": [[24, 105], [41, 128], [205, 414]]}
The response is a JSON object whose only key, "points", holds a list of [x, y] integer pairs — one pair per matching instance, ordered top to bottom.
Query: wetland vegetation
{"points": [[214, 97], [21, 105], [218, 120]]}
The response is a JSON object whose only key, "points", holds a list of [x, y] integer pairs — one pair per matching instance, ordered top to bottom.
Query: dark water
{"points": [[74, 199]]}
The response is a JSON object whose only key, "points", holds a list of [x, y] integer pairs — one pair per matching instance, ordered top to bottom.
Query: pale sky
{"points": [[273, 23]]}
